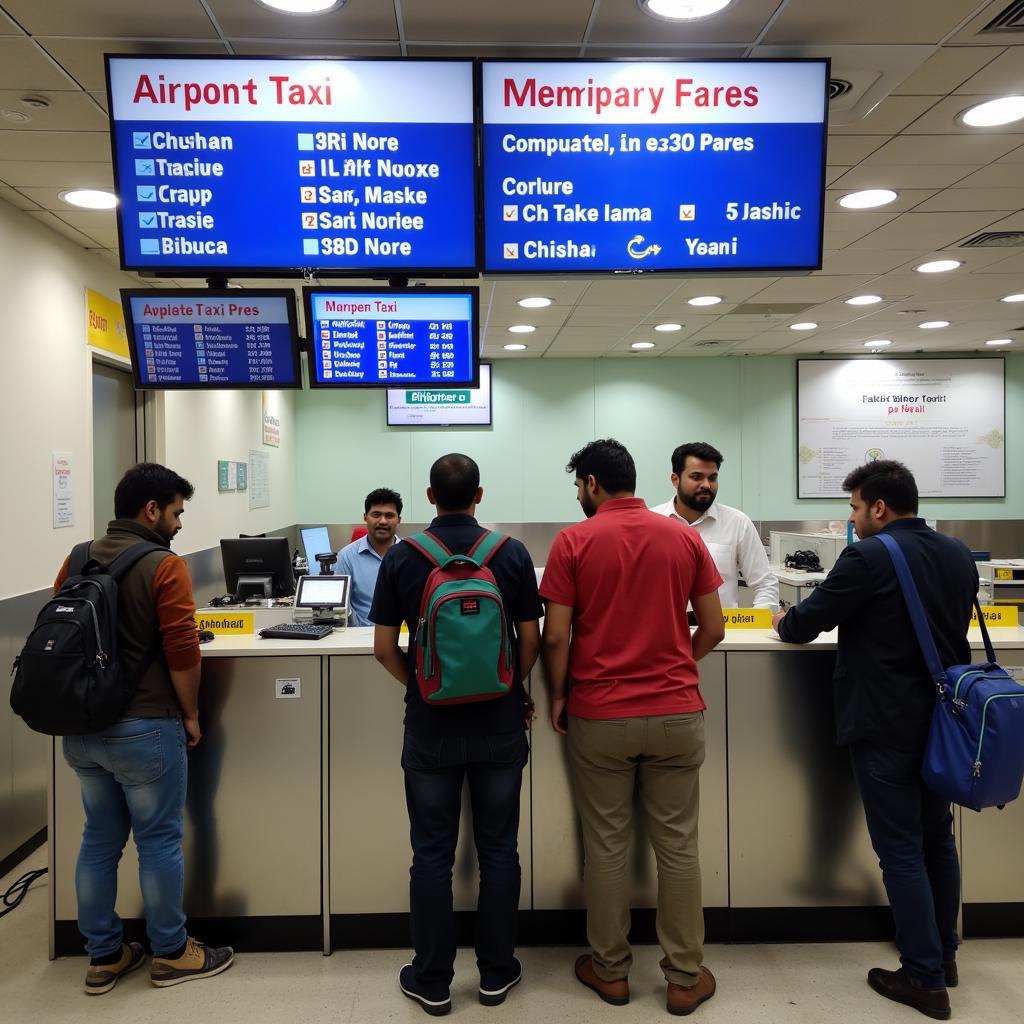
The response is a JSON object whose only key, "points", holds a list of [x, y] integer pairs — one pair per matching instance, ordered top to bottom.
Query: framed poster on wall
{"points": [[945, 419]]}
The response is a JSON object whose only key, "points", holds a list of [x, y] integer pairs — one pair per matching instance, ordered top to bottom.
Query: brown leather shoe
{"points": [[896, 985], [614, 992], [684, 999]]}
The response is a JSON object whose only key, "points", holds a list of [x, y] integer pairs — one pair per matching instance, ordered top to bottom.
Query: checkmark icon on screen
{"points": [[145, 193], [147, 220]]}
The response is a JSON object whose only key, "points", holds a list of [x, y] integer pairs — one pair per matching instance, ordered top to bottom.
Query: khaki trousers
{"points": [[661, 758]]}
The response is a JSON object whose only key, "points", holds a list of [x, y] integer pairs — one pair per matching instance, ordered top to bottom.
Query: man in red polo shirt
{"points": [[616, 588]]}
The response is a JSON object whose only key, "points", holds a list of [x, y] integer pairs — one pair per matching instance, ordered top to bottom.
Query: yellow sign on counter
{"points": [[106, 329], [1004, 574], [997, 615], [748, 618], [225, 623]]}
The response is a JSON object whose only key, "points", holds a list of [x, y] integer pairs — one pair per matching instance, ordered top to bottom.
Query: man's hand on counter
{"points": [[778, 617]]}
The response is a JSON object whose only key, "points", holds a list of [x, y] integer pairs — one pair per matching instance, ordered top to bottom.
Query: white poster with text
{"points": [[63, 491]]}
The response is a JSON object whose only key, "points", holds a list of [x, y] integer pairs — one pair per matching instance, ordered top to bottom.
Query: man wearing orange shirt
{"points": [[133, 774]]}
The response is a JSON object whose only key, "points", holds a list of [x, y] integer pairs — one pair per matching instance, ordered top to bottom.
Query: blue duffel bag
{"points": [[975, 751]]}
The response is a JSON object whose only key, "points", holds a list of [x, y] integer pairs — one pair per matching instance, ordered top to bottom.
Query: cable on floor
{"points": [[16, 893]]}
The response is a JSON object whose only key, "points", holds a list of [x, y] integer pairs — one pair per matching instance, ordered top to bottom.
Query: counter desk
{"points": [[297, 838]]}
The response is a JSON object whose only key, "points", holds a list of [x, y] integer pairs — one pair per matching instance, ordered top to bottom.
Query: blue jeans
{"points": [[435, 769], [133, 778], [912, 832]]}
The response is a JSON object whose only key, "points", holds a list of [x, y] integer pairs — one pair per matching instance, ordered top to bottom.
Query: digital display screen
{"points": [[241, 163], [637, 166], [394, 336], [220, 339], [442, 407], [322, 592]]}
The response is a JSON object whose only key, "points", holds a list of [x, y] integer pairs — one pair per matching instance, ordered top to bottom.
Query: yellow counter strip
{"points": [[748, 618], [225, 623]]}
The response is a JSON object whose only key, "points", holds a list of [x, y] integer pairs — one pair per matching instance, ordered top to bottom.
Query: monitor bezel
{"points": [[288, 294], [300, 586]]}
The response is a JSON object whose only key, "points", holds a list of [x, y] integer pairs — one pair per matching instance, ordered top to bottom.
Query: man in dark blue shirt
{"points": [[884, 698], [484, 742]]}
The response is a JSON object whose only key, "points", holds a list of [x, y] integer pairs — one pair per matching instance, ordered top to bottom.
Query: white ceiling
{"points": [[914, 64]]}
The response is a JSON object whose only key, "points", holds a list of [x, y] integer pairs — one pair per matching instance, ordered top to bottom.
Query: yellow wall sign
{"points": [[105, 324], [997, 615], [747, 618], [225, 623]]}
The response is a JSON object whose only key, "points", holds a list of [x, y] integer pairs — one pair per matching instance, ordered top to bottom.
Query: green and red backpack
{"points": [[463, 638]]}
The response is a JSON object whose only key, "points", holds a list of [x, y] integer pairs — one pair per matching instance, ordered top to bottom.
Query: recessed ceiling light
{"points": [[302, 6], [682, 10], [1004, 110], [15, 116], [89, 198], [868, 198], [937, 266], [1018, 297], [705, 300], [863, 300], [535, 302], [931, 325], [808, 326], [668, 327], [522, 329], [996, 342], [878, 343], [642, 344], [515, 347]]}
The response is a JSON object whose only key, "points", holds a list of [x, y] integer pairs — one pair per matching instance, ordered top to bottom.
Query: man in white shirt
{"points": [[729, 534]]}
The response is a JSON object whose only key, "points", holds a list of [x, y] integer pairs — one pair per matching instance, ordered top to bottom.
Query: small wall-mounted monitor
{"points": [[393, 337], [218, 339], [442, 407], [257, 567]]}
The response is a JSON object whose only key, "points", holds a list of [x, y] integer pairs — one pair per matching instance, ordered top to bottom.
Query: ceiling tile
{"points": [[114, 18], [358, 19], [525, 21], [621, 21], [868, 21], [8, 27], [330, 48], [662, 51], [504, 52], [83, 58], [24, 68], [942, 72], [1002, 76], [68, 111], [891, 116], [944, 119], [22, 145], [851, 149], [922, 150], [1015, 156], [834, 173], [57, 174], [903, 176], [994, 176], [48, 197], [17, 199], [907, 199], [964, 199], [98, 224], [843, 227], [65, 229], [929, 230], [864, 261], [1013, 263], [813, 289]]}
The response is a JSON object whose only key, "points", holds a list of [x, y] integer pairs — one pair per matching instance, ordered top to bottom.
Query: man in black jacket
{"points": [[883, 700]]}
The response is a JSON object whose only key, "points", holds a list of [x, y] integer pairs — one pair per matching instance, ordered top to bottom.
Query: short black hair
{"points": [[699, 450], [608, 463], [454, 480], [887, 480], [148, 482], [383, 496]]}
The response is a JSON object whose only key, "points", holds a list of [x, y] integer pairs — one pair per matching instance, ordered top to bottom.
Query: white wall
{"points": [[46, 406]]}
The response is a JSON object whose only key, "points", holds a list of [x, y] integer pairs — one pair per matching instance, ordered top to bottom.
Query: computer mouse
{"points": [[205, 636]]}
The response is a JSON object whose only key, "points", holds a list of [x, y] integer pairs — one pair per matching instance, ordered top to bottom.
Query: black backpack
{"points": [[68, 679]]}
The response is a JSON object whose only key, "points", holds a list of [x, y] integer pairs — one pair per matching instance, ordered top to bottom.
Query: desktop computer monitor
{"points": [[315, 541], [257, 567]]}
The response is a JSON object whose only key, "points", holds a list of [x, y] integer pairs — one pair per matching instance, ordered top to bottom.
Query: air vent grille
{"points": [[1010, 19], [840, 87], [993, 240], [766, 309], [710, 344]]}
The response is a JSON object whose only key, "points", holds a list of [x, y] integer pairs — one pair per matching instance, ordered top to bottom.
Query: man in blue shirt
{"points": [[361, 559]]}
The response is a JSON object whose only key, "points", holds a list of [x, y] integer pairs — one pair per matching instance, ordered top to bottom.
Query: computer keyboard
{"points": [[296, 631]]}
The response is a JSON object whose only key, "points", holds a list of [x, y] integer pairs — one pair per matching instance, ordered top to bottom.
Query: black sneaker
{"points": [[198, 961], [100, 978], [494, 995], [436, 1007]]}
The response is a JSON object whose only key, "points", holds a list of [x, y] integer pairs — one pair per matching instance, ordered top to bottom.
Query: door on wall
{"points": [[114, 437]]}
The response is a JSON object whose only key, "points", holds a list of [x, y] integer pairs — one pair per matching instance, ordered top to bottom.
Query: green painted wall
{"points": [[546, 409]]}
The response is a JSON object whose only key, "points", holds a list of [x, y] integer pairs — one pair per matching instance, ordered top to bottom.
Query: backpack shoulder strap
{"points": [[487, 545], [429, 546], [78, 558], [124, 561]]}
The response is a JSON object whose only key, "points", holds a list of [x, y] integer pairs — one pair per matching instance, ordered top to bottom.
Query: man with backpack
{"points": [[469, 597], [884, 698], [133, 772]]}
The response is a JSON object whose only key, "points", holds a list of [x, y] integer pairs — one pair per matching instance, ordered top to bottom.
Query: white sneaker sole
{"points": [[168, 982]]}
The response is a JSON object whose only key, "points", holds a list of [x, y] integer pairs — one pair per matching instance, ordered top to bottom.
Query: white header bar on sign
{"points": [[328, 91], [640, 92]]}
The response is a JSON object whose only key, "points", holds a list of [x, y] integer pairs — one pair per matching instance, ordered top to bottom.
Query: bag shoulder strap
{"points": [[487, 545], [432, 549], [130, 556], [78, 558], [916, 610]]}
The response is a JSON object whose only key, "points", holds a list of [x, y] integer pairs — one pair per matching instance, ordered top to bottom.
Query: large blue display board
{"points": [[239, 164], [640, 166], [410, 336], [216, 339]]}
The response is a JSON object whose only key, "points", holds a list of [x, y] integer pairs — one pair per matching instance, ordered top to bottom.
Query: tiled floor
{"points": [[788, 984]]}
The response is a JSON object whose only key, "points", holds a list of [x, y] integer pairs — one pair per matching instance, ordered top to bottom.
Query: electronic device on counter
{"points": [[218, 338], [413, 338], [442, 407], [315, 541], [257, 567], [326, 596], [296, 631]]}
